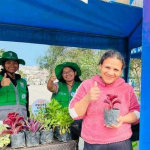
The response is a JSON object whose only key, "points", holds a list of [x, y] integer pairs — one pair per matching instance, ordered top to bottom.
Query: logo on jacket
{"points": [[22, 84], [72, 94], [23, 96]]}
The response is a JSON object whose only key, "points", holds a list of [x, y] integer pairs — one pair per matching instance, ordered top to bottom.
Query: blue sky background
{"points": [[27, 51]]}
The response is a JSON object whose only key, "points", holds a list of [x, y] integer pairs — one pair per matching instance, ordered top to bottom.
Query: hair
{"points": [[112, 54], [75, 79]]}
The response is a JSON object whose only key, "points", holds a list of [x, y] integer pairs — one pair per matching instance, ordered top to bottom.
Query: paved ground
{"points": [[40, 91]]}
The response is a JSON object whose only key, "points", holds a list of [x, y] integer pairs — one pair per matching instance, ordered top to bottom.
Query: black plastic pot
{"points": [[110, 116], [46, 136], [62, 137], [32, 139], [17, 140]]}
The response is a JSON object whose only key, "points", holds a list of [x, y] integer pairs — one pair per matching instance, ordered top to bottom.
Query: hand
{"points": [[53, 78], [5, 81], [94, 93], [120, 122]]}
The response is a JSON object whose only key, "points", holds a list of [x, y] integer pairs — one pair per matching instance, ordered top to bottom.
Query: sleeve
{"points": [[57, 86], [80, 93], [134, 105]]}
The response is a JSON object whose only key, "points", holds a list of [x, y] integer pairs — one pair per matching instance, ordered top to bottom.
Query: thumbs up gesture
{"points": [[53, 77], [5, 81], [94, 92]]}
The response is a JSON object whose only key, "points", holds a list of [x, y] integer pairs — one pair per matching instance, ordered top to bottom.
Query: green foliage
{"points": [[1, 52], [87, 59], [135, 73], [23, 75], [51, 111], [59, 116], [43, 120], [64, 120], [4, 139]]}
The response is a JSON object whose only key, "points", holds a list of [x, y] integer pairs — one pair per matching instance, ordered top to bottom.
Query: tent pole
{"points": [[127, 52], [145, 80]]}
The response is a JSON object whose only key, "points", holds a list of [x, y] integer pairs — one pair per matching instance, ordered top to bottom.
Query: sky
{"points": [[27, 51]]}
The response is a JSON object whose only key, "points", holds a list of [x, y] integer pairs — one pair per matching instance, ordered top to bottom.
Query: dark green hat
{"points": [[11, 56], [60, 67]]}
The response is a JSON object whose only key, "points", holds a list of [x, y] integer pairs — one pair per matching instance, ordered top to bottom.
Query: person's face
{"points": [[11, 66], [111, 70], [68, 74]]}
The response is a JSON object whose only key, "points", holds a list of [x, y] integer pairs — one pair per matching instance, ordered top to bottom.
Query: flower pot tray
{"points": [[70, 145]]}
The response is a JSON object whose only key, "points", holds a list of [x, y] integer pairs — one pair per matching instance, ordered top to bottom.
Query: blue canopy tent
{"points": [[98, 25]]}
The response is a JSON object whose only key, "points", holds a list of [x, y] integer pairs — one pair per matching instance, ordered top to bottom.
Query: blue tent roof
{"points": [[71, 22]]}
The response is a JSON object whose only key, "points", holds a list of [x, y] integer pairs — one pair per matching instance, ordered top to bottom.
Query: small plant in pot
{"points": [[51, 110], [110, 112], [15, 125], [62, 128], [32, 132], [46, 132], [4, 138]]}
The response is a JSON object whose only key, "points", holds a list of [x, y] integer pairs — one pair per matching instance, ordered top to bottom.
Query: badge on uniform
{"points": [[22, 84], [72, 94], [23, 96]]}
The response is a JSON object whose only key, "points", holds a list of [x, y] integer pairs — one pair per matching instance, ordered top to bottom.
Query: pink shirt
{"points": [[93, 129]]}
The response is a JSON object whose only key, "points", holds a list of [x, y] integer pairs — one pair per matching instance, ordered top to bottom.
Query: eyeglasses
{"points": [[69, 72]]}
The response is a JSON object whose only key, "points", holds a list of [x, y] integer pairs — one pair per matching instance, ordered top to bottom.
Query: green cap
{"points": [[11, 56], [60, 67]]}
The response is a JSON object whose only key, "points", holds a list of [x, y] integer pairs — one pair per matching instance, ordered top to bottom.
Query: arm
{"points": [[50, 85], [81, 100], [133, 115], [130, 118]]}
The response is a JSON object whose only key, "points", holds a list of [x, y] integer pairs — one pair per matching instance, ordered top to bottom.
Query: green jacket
{"points": [[11, 95], [63, 96]]}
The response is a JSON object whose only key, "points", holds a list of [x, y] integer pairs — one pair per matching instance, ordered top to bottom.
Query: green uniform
{"points": [[8, 93], [63, 96], [13, 98]]}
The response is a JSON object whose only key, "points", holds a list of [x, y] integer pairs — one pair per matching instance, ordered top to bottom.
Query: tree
{"points": [[1, 52], [87, 59], [135, 72], [23, 75]]}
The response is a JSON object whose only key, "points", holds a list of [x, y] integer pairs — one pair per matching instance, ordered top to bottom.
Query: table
{"points": [[70, 145]]}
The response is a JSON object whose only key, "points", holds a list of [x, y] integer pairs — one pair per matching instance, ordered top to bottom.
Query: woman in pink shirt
{"points": [[88, 104]]}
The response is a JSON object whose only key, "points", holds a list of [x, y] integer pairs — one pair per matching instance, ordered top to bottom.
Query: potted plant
{"points": [[110, 112], [60, 120], [63, 124], [15, 125], [32, 132], [46, 132], [4, 138]]}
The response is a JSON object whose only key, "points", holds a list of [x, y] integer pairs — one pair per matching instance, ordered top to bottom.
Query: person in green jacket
{"points": [[68, 75], [13, 89], [63, 91]]}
